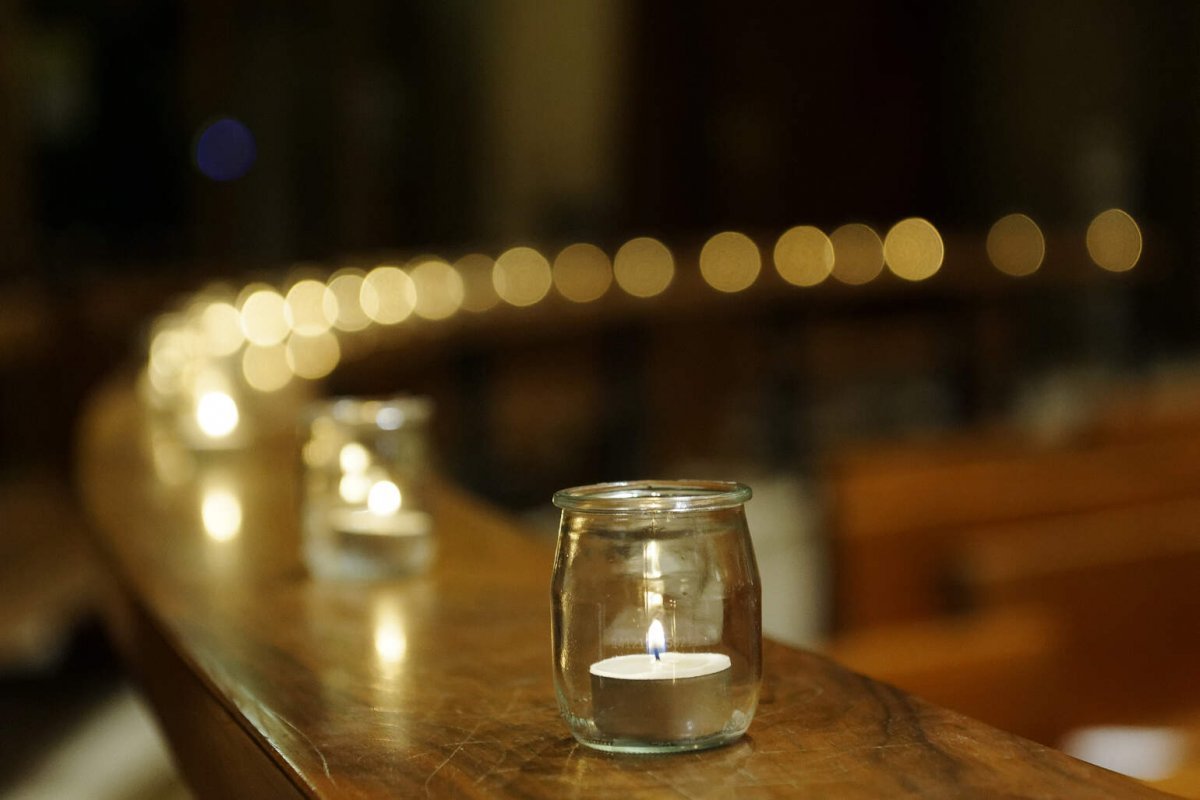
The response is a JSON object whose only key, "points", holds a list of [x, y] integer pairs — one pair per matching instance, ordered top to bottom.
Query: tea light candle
{"points": [[661, 696]]}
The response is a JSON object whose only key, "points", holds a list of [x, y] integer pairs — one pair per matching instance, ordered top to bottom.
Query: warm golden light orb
{"points": [[1114, 241], [1016, 246], [913, 249], [857, 254], [804, 256], [730, 262], [644, 267], [582, 273], [521, 276], [346, 287], [439, 289], [479, 291], [388, 295], [310, 307], [264, 317], [313, 357], [266, 368]]}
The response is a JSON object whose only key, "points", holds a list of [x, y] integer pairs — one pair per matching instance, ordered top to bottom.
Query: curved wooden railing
{"points": [[270, 684]]}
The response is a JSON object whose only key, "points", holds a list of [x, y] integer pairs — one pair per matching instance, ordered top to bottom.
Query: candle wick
{"points": [[657, 654]]}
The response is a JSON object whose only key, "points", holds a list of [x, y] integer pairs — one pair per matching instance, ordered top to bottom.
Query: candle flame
{"points": [[656, 640]]}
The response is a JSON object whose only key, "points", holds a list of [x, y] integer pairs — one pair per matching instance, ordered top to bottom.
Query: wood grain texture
{"points": [[440, 686]]}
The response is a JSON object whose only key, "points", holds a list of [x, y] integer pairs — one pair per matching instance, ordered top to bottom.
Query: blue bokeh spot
{"points": [[225, 150]]}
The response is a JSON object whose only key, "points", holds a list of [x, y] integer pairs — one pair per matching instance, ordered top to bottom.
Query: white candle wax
{"points": [[365, 521], [663, 698]]}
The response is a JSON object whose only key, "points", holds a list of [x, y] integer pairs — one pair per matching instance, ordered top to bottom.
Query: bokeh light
{"points": [[225, 150], [1114, 240], [1016, 246], [913, 249], [857, 254], [804, 256], [730, 262], [644, 267], [582, 273], [522, 276], [346, 287], [439, 289], [479, 290], [388, 295], [310, 308], [264, 317], [221, 325], [313, 357], [266, 368], [216, 414], [354, 458], [384, 498], [221, 514]]}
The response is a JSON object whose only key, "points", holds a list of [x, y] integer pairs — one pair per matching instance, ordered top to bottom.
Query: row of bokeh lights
{"points": [[270, 337]]}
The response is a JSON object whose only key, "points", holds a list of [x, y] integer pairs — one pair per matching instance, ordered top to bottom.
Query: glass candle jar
{"points": [[364, 512], [657, 621]]}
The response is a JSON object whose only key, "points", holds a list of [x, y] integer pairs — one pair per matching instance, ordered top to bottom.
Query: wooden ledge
{"points": [[270, 684]]}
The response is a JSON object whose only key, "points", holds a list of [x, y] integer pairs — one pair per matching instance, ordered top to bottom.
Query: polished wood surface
{"points": [[270, 684]]}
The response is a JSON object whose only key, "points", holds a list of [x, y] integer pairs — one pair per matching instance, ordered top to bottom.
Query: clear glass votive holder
{"points": [[364, 514], [657, 615]]}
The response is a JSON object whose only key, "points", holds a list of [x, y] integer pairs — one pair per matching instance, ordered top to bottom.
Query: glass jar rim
{"points": [[387, 413], [653, 496]]}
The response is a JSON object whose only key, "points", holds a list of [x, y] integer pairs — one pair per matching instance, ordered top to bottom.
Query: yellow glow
{"points": [[1114, 240], [1016, 246], [913, 249], [857, 254], [804, 256], [730, 262], [643, 267], [582, 273], [521, 276], [346, 287], [439, 289], [479, 290], [388, 295], [311, 308], [264, 318], [221, 325], [171, 350], [313, 357], [266, 368], [216, 414], [353, 457], [354, 487], [384, 498], [221, 513], [656, 638], [391, 642]]}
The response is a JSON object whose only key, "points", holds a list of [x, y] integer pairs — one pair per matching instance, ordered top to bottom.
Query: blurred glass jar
{"points": [[364, 512], [657, 621]]}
